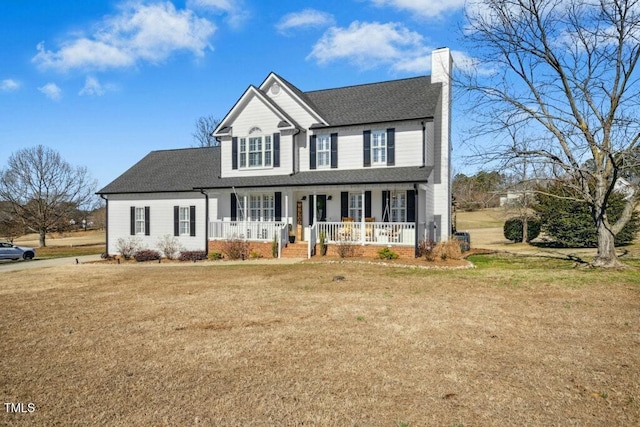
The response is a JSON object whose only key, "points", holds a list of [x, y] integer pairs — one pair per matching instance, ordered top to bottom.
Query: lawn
{"points": [[513, 342]]}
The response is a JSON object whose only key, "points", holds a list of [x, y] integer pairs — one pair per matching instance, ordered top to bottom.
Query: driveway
{"points": [[8, 265]]}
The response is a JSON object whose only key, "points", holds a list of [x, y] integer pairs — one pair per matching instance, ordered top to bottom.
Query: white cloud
{"points": [[424, 8], [236, 10], [305, 18], [149, 33], [369, 45], [9, 85], [92, 87], [52, 91]]}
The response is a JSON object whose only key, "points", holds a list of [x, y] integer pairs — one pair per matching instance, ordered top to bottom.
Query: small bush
{"points": [[514, 229], [323, 243], [169, 246], [128, 247], [274, 247], [236, 249], [347, 249], [425, 249], [451, 249], [443, 250], [386, 253], [147, 255], [255, 255], [192, 256], [214, 256]]}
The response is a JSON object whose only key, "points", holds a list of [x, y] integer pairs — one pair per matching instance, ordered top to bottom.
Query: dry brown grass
{"points": [[263, 345]]}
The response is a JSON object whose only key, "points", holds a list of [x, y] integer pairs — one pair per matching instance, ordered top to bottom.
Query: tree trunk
{"points": [[525, 229], [43, 238], [606, 256]]}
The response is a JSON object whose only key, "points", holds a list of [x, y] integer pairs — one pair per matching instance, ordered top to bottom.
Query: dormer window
{"points": [[255, 151]]}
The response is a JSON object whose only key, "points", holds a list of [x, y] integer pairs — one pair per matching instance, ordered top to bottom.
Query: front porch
{"points": [[365, 233]]}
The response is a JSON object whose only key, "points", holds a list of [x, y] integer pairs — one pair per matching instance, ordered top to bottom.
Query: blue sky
{"points": [[105, 82]]}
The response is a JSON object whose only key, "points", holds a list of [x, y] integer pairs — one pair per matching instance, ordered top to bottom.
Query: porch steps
{"points": [[295, 250]]}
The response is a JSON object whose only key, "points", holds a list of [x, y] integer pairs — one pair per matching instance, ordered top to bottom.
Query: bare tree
{"points": [[565, 69], [204, 129], [44, 190]]}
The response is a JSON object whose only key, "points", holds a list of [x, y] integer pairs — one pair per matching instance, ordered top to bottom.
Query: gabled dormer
{"points": [[256, 137]]}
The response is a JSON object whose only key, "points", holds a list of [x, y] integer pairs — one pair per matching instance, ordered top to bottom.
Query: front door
{"points": [[321, 208]]}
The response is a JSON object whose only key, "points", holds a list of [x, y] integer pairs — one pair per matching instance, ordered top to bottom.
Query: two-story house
{"points": [[366, 164]]}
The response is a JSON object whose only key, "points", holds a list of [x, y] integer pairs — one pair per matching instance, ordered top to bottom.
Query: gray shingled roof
{"points": [[413, 98], [194, 168], [188, 169], [169, 171]]}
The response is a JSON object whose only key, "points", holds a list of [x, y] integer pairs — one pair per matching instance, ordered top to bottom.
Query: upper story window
{"points": [[379, 147], [255, 151], [323, 151]]}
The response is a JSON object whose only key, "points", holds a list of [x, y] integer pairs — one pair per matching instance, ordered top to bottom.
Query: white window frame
{"points": [[379, 147], [255, 150], [323, 151], [355, 206], [398, 206], [261, 207], [184, 220], [140, 229]]}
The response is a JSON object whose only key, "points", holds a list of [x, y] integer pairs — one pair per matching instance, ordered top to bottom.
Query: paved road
{"points": [[8, 265]]}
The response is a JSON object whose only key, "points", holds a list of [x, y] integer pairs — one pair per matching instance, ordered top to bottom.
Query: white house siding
{"points": [[294, 109], [256, 114], [408, 145], [161, 218]]}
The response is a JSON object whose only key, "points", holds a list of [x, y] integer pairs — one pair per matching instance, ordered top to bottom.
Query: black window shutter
{"points": [[391, 146], [367, 147], [276, 150], [334, 150], [234, 152], [312, 152], [344, 204], [367, 204], [277, 205], [411, 205], [311, 206], [385, 206], [234, 207], [133, 220], [147, 220], [176, 220], [192, 220]]}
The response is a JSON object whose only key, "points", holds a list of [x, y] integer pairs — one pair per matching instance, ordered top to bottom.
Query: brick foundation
{"points": [[261, 248], [367, 251], [371, 251]]}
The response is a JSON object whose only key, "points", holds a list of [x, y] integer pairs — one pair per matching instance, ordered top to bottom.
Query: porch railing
{"points": [[246, 230], [382, 233]]}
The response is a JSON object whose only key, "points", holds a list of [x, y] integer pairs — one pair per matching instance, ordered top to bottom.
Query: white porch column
{"points": [[315, 208], [286, 209]]}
